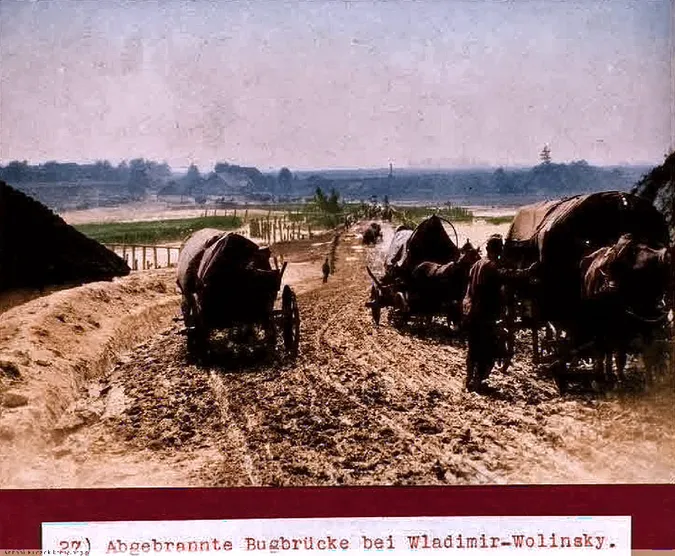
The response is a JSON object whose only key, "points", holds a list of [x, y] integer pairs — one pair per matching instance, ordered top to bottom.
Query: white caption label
{"points": [[470, 536]]}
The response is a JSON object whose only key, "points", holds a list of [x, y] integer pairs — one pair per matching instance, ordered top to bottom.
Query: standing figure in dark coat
{"points": [[326, 270], [483, 308]]}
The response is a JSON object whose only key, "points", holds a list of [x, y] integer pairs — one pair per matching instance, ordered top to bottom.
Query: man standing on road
{"points": [[326, 270], [483, 308]]}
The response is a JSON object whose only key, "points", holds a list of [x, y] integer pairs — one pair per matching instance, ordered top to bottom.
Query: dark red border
{"points": [[651, 506]]}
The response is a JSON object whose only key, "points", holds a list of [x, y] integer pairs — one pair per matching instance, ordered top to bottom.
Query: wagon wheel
{"points": [[453, 229], [375, 304], [401, 309], [453, 316], [291, 320], [270, 333], [197, 334], [506, 339], [536, 344], [548, 345], [506, 347], [564, 359]]}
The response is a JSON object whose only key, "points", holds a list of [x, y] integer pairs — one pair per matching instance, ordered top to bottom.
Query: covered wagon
{"points": [[373, 234], [570, 238], [425, 274], [227, 282]]}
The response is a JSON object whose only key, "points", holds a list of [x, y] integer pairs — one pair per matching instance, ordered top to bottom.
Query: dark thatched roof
{"points": [[38, 249]]}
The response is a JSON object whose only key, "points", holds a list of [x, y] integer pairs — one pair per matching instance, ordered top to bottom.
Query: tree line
{"points": [[100, 171], [138, 176]]}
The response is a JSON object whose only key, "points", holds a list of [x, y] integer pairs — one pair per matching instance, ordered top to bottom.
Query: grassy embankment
{"points": [[155, 231]]}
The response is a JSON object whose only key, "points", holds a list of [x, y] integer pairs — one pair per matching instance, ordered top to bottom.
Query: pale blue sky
{"points": [[332, 84]]}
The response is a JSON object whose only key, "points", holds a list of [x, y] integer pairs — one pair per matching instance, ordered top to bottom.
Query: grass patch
{"points": [[414, 215], [499, 220], [155, 231]]}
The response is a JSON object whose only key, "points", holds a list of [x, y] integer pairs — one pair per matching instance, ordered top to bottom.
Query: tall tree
{"points": [[545, 155], [16, 171], [193, 178], [285, 179], [139, 181]]}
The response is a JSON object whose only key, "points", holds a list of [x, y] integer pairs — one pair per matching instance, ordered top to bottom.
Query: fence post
{"points": [[154, 255], [133, 256], [168, 256], [144, 257]]}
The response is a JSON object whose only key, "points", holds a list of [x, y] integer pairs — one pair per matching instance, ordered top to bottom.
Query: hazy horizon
{"points": [[333, 85], [205, 170]]}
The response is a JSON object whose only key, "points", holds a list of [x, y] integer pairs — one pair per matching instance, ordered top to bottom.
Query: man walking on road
{"points": [[326, 270], [483, 308]]}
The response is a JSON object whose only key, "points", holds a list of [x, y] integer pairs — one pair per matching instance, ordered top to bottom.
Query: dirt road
{"points": [[360, 406]]}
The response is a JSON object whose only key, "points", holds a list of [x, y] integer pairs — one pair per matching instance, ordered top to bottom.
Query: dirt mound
{"points": [[38, 249], [51, 346]]}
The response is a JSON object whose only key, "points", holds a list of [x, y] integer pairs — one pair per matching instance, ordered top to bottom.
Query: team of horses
{"points": [[604, 287], [603, 304], [624, 306]]}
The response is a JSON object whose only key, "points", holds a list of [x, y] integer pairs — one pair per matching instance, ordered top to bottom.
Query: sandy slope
{"points": [[53, 345], [359, 406]]}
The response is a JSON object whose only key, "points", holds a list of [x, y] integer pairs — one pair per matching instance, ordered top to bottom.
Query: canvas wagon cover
{"points": [[529, 219], [562, 231], [559, 234], [428, 242], [397, 246], [229, 254], [191, 255], [235, 281]]}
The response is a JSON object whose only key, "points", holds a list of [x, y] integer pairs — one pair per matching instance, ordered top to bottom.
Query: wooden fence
{"points": [[293, 225], [268, 228], [279, 228], [145, 257]]}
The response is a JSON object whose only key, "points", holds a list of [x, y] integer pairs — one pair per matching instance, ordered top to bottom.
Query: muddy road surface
{"points": [[360, 406]]}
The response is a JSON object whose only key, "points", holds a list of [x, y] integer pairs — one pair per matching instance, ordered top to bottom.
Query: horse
{"points": [[447, 281], [622, 304]]}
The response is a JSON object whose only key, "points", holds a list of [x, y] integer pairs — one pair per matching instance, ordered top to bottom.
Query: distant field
{"points": [[414, 215], [498, 220], [156, 231]]}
